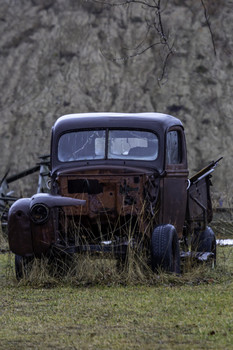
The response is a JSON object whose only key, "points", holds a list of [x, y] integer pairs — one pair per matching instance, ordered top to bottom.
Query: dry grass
{"points": [[4, 247], [86, 270], [96, 306], [100, 310]]}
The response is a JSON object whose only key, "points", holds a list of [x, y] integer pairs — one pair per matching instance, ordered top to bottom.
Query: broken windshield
{"points": [[121, 144], [132, 144]]}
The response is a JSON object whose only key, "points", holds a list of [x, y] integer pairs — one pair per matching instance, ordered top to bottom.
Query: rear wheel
{"points": [[205, 242], [165, 252]]}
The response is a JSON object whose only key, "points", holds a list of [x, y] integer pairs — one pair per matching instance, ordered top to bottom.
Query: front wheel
{"points": [[165, 252], [23, 266]]}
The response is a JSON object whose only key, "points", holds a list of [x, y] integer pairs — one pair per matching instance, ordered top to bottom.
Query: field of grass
{"points": [[193, 311]]}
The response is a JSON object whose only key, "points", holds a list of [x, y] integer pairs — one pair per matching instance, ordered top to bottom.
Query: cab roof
{"points": [[152, 121]]}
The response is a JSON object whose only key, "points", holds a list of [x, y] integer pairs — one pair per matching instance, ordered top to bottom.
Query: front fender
{"points": [[53, 201], [19, 227], [27, 237]]}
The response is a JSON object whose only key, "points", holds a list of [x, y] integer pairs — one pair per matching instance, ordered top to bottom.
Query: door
{"points": [[174, 183]]}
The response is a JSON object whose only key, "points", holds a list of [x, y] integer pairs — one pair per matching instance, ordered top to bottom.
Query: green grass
{"points": [[194, 311]]}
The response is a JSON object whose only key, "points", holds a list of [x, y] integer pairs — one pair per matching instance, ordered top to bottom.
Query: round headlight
{"points": [[39, 213]]}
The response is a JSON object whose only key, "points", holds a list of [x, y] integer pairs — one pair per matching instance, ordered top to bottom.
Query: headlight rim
{"points": [[42, 220]]}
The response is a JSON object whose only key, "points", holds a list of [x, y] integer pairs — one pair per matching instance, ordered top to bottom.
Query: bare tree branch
{"points": [[126, 2], [154, 23], [209, 25], [140, 44], [170, 52], [127, 57]]}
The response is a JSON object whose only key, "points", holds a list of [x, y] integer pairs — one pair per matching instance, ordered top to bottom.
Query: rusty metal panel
{"points": [[111, 194], [174, 200], [199, 202], [19, 229], [43, 236]]}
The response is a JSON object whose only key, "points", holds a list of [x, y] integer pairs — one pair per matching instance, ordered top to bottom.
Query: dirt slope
{"points": [[54, 60]]}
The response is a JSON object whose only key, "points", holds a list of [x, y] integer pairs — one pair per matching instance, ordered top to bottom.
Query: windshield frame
{"points": [[105, 156]]}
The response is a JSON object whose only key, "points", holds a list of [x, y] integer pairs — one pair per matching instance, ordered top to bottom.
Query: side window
{"points": [[174, 155]]}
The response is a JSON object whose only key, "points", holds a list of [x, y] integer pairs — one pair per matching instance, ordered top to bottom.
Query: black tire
{"points": [[205, 242], [165, 251], [23, 266]]}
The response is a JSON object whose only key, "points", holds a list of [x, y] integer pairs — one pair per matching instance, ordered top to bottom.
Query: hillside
{"points": [[60, 57]]}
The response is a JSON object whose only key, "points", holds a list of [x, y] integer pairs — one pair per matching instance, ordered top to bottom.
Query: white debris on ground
{"points": [[224, 241]]}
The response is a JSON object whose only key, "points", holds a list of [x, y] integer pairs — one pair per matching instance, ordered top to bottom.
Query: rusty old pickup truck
{"points": [[117, 181]]}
